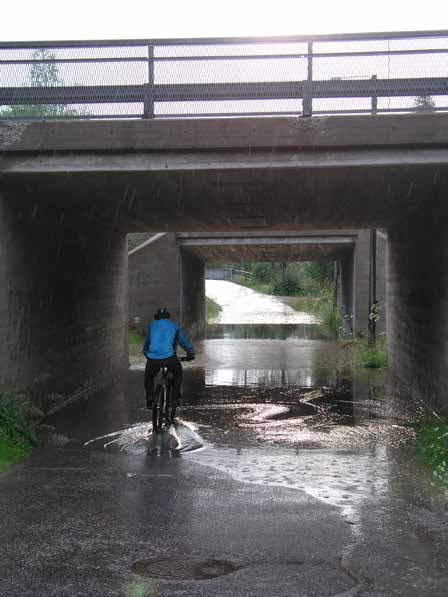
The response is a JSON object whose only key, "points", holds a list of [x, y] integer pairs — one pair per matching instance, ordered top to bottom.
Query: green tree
{"points": [[44, 73], [424, 103]]}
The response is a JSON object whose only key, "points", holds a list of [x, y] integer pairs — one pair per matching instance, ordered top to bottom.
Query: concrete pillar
{"points": [[417, 278], [154, 279], [361, 282], [381, 290], [347, 292], [193, 294], [63, 306]]}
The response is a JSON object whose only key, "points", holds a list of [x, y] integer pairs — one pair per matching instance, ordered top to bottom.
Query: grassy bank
{"points": [[263, 287], [322, 307], [212, 309], [134, 338], [135, 342], [371, 357], [16, 436], [432, 446]]}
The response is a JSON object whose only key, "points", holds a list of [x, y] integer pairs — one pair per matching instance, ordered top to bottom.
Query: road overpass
{"points": [[74, 179], [70, 191]]}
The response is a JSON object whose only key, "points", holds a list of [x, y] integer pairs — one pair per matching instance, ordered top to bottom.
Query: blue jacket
{"points": [[162, 339]]}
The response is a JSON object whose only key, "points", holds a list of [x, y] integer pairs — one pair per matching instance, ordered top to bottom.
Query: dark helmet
{"points": [[162, 313]]}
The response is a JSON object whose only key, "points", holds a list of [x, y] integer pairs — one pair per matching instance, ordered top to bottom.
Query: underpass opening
{"points": [[267, 362]]}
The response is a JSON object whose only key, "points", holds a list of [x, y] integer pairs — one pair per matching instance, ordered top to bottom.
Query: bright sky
{"points": [[32, 20]]}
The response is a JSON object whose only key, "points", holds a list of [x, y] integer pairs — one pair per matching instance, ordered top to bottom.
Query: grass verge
{"points": [[264, 288], [322, 307], [212, 309], [134, 338], [135, 342], [371, 357], [16, 435], [432, 446]]}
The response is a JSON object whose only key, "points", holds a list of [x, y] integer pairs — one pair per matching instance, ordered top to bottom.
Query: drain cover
{"points": [[184, 568]]}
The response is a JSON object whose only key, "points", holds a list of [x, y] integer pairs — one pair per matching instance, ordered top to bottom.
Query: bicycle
{"points": [[163, 407]]}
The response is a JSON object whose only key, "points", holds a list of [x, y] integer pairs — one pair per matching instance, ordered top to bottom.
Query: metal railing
{"points": [[301, 75], [226, 273]]}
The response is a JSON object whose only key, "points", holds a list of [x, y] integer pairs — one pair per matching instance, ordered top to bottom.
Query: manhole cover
{"points": [[184, 568]]}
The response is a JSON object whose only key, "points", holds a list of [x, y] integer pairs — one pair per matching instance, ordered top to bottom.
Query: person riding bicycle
{"points": [[159, 347]]}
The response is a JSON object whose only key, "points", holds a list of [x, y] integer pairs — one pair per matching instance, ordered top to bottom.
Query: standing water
{"points": [[277, 419]]}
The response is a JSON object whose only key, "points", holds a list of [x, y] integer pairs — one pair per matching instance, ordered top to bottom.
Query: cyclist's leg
{"points": [[151, 370]]}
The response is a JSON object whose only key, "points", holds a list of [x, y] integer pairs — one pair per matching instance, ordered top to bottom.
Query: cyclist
{"points": [[159, 347]]}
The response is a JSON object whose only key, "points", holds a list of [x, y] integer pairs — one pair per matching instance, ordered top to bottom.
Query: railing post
{"points": [[374, 98], [307, 101], [148, 102]]}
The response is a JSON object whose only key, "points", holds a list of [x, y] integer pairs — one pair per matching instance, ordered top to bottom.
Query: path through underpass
{"points": [[289, 473]]}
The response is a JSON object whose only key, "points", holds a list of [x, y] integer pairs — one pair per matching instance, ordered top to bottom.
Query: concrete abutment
{"points": [[162, 274], [154, 278], [417, 279], [360, 283], [63, 303], [193, 316]]}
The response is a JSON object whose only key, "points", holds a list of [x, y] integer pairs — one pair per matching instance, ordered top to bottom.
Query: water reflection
{"points": [[302, 331], [266, 377]]}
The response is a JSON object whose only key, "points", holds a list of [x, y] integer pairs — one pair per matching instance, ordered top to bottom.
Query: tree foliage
{"points": [[44, 73], [424, 103], [304, 278]]}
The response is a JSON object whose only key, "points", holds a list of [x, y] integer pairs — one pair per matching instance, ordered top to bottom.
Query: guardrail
{"points": [[222, 77], [226, 273]]}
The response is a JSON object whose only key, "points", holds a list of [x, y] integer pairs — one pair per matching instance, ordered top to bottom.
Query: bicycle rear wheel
{"points": [[157, 410], [170, 411]]}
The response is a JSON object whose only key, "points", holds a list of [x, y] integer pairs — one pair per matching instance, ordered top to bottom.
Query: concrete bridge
{"points": [[70, 191], [169, 269]]}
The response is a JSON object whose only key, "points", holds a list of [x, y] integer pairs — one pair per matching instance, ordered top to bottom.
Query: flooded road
{"points": [[241, 305], [288, 468]]}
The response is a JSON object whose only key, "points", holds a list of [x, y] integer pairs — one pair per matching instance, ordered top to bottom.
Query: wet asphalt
{"points": [[288, 473]]}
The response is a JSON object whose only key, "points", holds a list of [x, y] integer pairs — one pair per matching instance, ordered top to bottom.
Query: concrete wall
{"points": [[161, 274], [154, 278], [417, 279], [193, 295], [63, 306]]}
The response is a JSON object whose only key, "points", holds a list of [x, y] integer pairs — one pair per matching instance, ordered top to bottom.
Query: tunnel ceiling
{"points": [[228, 248], [276, 254]]}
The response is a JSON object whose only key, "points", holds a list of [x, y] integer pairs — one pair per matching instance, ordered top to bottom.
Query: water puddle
{"points": [[139, 439]]}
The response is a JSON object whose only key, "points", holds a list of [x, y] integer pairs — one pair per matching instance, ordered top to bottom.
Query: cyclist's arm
{"points": [[186, 343]]}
